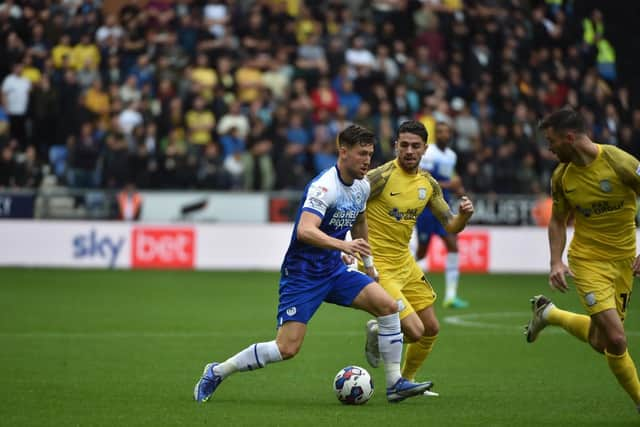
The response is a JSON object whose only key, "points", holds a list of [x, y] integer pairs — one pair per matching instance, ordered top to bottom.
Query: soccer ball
{"points": [[353, 385]]}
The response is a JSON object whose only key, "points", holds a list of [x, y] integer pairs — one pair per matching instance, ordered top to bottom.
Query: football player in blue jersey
{"points": [[440, 160], [312, 272]]}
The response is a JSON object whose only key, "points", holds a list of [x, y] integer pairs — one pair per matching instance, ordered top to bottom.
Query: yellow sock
{"points": [[576, 324], [415, 355], [624, 369]]}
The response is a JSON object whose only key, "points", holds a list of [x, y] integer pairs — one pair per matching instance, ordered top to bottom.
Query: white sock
{"points": [[452, 274], [390, 344], [255, 356]]}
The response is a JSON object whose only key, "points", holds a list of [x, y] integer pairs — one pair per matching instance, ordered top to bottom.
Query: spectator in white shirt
{"points": [[15, 97]]}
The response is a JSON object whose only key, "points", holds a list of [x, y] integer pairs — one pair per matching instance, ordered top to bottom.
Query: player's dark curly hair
{"points": [[564, 119], [415, 127], [355, 134]]}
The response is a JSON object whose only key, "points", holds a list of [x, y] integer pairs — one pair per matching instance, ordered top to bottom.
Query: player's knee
{"points": [[386, 306], [431, 329], [413, 332], [616, 343], [289, 350]]}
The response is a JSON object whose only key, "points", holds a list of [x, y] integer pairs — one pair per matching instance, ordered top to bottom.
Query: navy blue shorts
{"points": [[427, 225], [301, 295]]}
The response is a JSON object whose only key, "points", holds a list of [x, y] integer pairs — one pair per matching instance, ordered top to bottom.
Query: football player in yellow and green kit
{"points": [[598, 184], [400, 191]]}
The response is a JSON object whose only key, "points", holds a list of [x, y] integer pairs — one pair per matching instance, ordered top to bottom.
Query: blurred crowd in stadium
{"points": [[250, 95]]}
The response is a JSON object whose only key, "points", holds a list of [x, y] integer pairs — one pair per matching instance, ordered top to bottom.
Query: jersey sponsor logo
{"points": [[605, 186], [422, 193], [599, 208], [408, 215], [342, 219], [92, 245], [163, 247], [473, 252]]}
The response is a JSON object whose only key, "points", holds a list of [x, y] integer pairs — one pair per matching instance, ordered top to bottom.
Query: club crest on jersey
{"points": [[605, 186], [422, 193]]}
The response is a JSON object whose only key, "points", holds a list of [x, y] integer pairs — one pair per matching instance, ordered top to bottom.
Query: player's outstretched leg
{"points": [[544, 313], [538, 322], [371, 349], [254, 357], [207, 384]]}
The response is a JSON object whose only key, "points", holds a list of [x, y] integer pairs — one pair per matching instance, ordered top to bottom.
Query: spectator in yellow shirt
{"points": [[61, 50], [84, 53], [200, 123]]}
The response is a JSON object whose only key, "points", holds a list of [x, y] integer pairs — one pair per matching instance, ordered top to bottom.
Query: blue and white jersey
{"points": [[441, 164], [338, 204]]}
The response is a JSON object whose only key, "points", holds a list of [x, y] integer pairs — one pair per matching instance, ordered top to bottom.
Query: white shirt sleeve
{"points": [[320, 196]]}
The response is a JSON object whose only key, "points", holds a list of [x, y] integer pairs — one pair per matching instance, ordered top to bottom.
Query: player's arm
{"points": [[319, 198], [440, 209], [360, 230], [557, 231], [309, 232]]}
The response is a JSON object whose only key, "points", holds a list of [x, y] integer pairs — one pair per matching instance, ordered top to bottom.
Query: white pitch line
{"points": [[473, 320]]}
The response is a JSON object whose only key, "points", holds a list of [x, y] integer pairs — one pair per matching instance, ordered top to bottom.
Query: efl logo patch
{"points": [[590, 298]]}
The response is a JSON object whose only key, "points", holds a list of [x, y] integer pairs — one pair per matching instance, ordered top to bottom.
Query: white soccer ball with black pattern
{"points": [[353, 385]]}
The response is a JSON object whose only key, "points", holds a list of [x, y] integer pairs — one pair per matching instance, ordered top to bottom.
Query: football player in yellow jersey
{"points": [[599, 185], [400, 191]]}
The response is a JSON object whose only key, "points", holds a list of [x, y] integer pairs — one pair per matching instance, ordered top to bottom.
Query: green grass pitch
{"points": [[113, 348]]}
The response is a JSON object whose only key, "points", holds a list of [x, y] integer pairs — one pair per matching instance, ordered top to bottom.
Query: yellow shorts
{"points": [[406, 282], [603, 285]]}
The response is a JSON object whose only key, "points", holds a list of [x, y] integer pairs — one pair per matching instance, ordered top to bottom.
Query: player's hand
{"points": [[466, 206], [357, 246], [636, 266], [372, 272], [557, 276]]}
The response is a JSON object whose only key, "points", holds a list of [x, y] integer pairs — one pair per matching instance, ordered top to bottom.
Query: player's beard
{"points": [[409, 165]]}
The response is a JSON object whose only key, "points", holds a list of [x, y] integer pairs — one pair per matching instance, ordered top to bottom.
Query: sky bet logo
{"points": [[94, 246]]}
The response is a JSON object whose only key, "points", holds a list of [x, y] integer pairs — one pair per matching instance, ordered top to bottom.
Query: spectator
{"points": [[15, 94], [234, 118], [200, 123], [129, 203]]}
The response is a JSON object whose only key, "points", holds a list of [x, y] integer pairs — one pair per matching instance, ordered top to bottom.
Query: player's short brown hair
{"points": [[564, 119], [415, 127], [355, 135]]}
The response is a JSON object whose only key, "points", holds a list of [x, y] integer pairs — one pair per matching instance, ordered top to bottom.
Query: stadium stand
{"points": [[250, 95]]}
